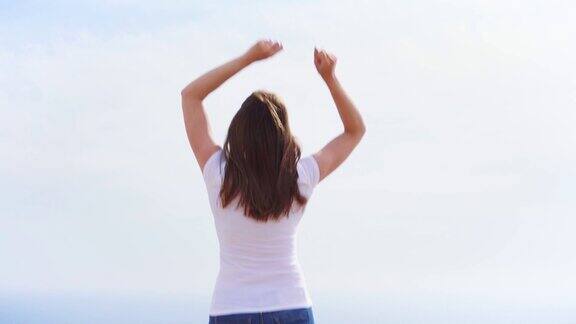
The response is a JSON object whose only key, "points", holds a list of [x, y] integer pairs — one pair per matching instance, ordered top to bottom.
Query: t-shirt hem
{"points": [[243, 310]]}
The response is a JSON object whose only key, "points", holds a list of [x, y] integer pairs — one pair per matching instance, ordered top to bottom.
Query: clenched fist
{"points": [[263, 49], [325, 63]]}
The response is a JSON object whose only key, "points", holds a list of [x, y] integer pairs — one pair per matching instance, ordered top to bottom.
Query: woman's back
{"points": [[265, 181], [259, 268]]}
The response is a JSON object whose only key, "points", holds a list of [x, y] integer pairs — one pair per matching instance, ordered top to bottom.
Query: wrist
{"points": [[246, 60], [330, 79]]}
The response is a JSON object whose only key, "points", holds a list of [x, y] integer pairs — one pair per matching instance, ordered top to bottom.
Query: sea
{"points": [[167, 309]]}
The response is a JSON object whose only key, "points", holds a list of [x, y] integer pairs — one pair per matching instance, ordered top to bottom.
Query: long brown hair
{"points": [[261, 157]]}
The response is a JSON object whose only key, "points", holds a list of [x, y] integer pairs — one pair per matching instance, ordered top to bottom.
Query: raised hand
{"points": [[263, 49], [325, 63], [340, 147]]}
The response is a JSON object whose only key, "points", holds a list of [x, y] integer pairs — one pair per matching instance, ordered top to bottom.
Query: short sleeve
{"points": [[212, 168], [310, 171]]}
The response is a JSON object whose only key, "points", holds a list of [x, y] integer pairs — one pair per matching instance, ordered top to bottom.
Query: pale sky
{"points": [[463, 185]]}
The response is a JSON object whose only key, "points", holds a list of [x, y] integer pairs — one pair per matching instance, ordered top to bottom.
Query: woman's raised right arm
{"points": [[338, 149]]}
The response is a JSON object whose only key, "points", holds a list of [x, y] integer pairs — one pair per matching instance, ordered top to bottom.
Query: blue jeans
{"points": [[289, 316]]}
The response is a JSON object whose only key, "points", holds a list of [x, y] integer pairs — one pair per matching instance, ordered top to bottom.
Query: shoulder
{"points": [[214, 167], [308, 170]]}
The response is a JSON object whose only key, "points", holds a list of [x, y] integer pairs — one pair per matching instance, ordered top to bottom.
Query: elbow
{"points": [[186, 92], [190, 92], [362, 130], [357, 132], [360, 133], [355, 135]]}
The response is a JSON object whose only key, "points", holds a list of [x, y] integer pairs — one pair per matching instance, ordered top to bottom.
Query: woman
{"points": [[258, 186]]}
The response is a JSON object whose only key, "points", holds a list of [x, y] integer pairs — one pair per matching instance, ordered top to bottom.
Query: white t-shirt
{"points": [[259, 267]]}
